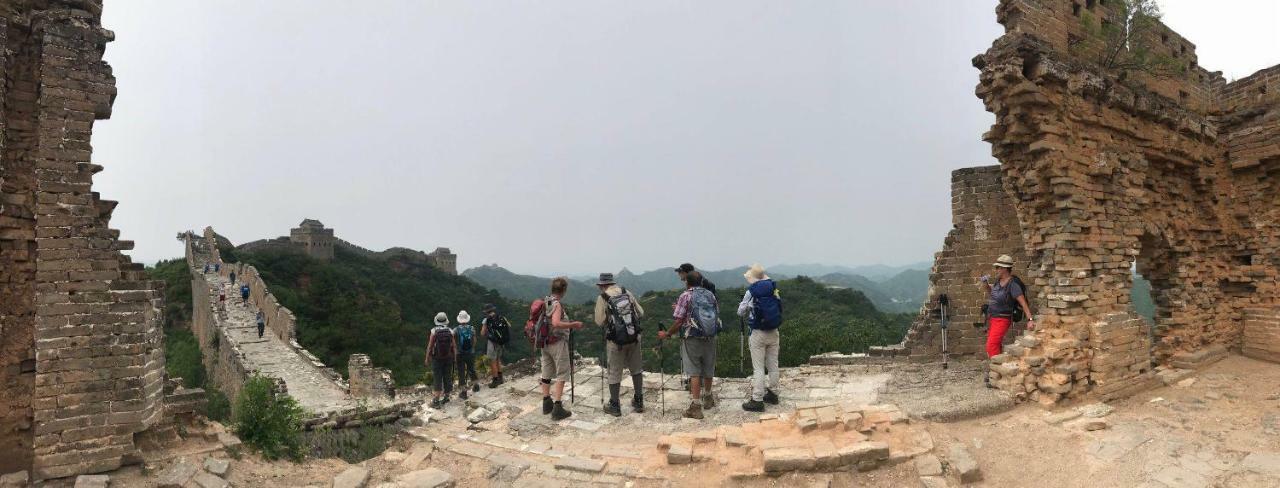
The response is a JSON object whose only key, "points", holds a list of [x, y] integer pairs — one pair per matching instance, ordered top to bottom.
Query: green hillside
{"points": [[527, 288], [906, 290], [1141, 297], [382, 307]]}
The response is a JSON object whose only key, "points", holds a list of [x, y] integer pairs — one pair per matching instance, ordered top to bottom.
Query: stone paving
{"points": [[273, 357]]}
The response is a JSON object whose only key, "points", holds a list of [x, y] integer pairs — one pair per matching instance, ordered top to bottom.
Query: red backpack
{"points": [[538, 328]]}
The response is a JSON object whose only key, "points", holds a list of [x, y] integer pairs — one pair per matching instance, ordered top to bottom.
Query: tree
{"points": [[1126, 40]]}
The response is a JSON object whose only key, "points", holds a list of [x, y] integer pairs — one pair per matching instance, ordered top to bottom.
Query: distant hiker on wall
{"points": [[217, 267], [206, 268], [684, 269], [233, 278], [244, 294], [222, 299], [1006, 304], [762, 307], [619, 312], [697, 320], [262, 323], [497, 332], [465, 334], [552, 337], [442, 349]]}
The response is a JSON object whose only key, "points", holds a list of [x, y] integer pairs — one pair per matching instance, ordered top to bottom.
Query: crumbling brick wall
{"points": [[1172, 173], [984, 226], [81, 357], [367, 381]]}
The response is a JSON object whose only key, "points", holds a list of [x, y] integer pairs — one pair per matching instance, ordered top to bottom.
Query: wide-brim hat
{"points": [[1004, 261], [755, 273], [606, 279], [464, 317], [442, 319]]}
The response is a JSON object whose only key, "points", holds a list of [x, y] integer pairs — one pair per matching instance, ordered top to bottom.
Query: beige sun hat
{"points": [[1004, 261], [755, 273], [464, 317], [442, 319]]}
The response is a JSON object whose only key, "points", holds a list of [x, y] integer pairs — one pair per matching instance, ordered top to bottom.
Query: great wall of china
{"points": [[1176, 176]]}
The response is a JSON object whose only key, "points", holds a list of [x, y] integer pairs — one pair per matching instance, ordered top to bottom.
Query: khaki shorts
{"points": [[495, 351], [630, 356], [698, 356], [555, 361]]}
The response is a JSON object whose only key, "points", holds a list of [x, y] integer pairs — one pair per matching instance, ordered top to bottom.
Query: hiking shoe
{"points": [[494, 383], [475, 387], [463, 394], [770, 397], [444, 400], [708, 401], [435, 403], [637, 404], [546, 405], [753, 406], [612, 408], [694, 411], [559, 413]]}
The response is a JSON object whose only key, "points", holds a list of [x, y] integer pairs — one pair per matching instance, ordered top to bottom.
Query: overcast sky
{"points": [[566, 136]]}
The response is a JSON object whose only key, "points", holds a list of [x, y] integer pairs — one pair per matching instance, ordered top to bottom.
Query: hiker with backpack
{"points": [[684, 269], [244, 294], [1006, 305], [762, 307], [619, 312], [697, 320], [262, 323], [550, 331], [497, 332], [465, 334], [442, 349]]}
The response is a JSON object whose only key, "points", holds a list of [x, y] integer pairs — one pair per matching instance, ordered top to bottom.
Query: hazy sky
{"points": [[569, 136]]}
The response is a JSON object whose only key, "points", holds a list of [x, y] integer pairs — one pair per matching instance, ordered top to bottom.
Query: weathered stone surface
{"points": [[864, 451], [680, 453], [417, 454], [780, 459], [1267, 463], [583, 465], [928, 465], [217, 466], [963, 468], [177, 474], [353, 477], [426, 478], [18, 479], [207, 480], [92, 481]]}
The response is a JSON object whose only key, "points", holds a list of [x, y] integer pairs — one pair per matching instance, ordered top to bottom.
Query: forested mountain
{"points": [[527, 288]]}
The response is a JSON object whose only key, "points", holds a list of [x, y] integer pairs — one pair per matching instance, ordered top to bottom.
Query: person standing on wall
{"points": [[684, 269], [233, 278], [244, 294], [1006, 303], [762, 306], [619, 312], [697, 320], [262, 323], [497, 332], [553, 332], [465, 334], [441, 351]]}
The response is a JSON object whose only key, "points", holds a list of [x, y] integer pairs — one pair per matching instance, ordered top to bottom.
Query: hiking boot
{"points": [[494, 383], [475, 387], [463, 394], [770, 397], [444, 400], [708, 401], [435, 403], [637, 403], [546, 405], [753, 406], [612, 408], [694, 411], [559, 413]]}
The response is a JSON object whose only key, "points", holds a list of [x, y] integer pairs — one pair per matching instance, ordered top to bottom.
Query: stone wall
{"points": [[1173, 175], [984, 226], [1262, 334], [81, 358], [366, 381]]}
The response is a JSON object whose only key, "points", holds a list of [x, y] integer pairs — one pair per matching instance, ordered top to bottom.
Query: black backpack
{"points": [[1017, 314], [623, 324], [498, 331], [442, 348]]}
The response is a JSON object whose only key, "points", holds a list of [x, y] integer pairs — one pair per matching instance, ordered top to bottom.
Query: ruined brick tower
{"points": [[315, 240], [81, 354]]}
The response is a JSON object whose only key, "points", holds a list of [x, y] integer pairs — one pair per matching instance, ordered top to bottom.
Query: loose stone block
{"points": [[680, 453], [417, 454], [782, 459], [583, 465], [928, 465], [217, 466], [963, 468], [177, 474], [353, 477], [426, 478], [206, 480], [92, 481]]}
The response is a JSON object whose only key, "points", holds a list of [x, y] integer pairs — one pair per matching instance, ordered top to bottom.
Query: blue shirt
{"points": [[1004, 299]]}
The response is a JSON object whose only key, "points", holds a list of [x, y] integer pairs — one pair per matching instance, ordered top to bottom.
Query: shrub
{"points": [[182, 358], [218, 407], [268, 422], [351, 445]]}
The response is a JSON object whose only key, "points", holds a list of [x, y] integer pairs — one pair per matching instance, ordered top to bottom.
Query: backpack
{"points": [[766, 309], [704, 313], [1017, 314], [623, 322], [538, 328], [498, 331], [466, 338], [442, 347]]}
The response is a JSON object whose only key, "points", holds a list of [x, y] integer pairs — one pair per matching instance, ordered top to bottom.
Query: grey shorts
{"points": [[495, 351], [698, 356], [630, 357], [555, 361]]}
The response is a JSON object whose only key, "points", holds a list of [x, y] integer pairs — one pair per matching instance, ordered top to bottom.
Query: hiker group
{"points": [[618, 312]]}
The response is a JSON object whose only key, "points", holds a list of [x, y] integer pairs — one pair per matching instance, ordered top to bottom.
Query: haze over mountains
{"points": [[893, 289]]}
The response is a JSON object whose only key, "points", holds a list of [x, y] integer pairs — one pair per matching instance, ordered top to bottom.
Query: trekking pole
{"points": [[943, 302], [742, 341], [604, 358], [662, 374], [573, 387]]}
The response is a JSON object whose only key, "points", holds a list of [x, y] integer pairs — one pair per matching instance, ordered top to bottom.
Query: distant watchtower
{"points": [[315, 240], [444, 260]]}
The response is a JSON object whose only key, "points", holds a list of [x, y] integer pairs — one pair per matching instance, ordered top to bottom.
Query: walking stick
{"points": [[943, 303], [742, 340], [604, 359], [662, 374], [573, 387]]}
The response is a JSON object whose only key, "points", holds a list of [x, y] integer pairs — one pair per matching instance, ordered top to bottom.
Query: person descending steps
{"points": [[244, 294], [1006, 305], [762, 307], [619, 312], [697, 320], [262, 323], [497, 332], [465, 334], [551, 335], [441, 351]]}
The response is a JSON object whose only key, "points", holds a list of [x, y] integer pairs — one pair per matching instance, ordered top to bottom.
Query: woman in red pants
{"points": [[1004, 295]]}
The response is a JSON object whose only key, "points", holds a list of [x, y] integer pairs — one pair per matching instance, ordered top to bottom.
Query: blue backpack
{"points": [[766, 311], [704, 313], [466, 338]]}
